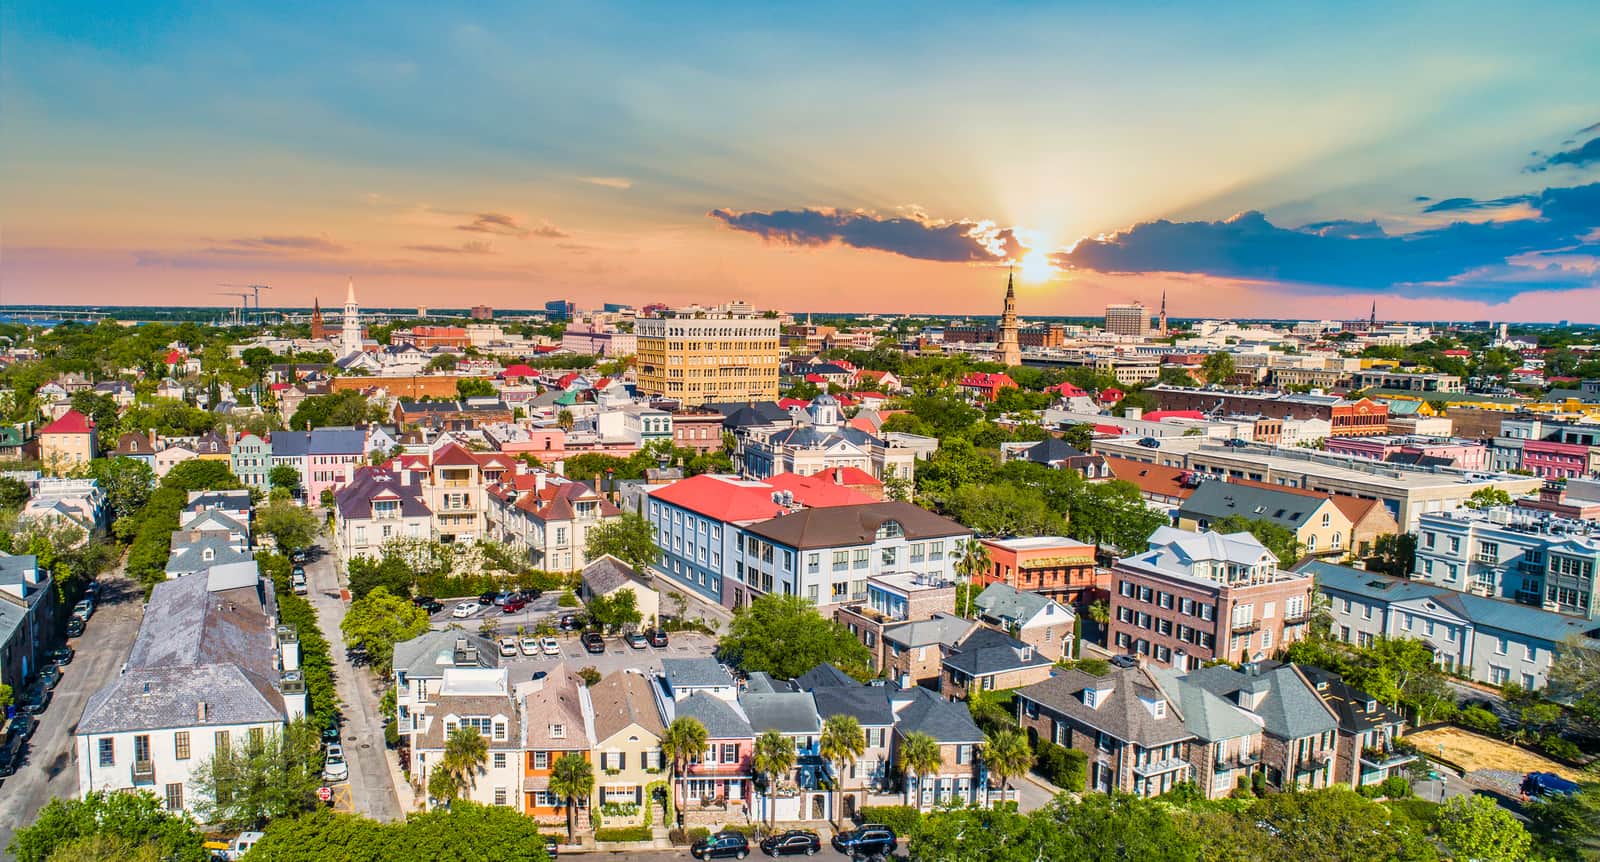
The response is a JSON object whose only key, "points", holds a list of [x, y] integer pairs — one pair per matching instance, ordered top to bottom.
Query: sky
{"points": [[1262, 160]]}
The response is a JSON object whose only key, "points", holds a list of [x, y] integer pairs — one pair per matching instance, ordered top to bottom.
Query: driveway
{"points": [[51, 768], [372, 789]]}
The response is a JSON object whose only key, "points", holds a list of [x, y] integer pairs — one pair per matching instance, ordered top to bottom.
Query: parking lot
{"points": [[537, 611], [618, 655]]}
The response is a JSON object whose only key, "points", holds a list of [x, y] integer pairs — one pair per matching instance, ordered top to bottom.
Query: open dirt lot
{"points": [[1473, 752]]}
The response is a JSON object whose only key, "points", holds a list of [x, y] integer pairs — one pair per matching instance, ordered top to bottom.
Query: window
{"points": [[860, 558], [841, 560], [813, 563], [1502, 646], [1499, 675], [558, 731], [258, 736], [220, 740], [180, 745], [108, 752], [730, 752], [963, 754], [499, 760], [541, 760], [174, 797], [501, 797]]}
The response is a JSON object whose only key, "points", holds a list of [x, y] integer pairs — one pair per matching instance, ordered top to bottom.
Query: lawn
{"points": [[1473, 752]]}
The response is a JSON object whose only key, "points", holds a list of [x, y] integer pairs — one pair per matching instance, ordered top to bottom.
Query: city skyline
{"points": [[1270, 164]]}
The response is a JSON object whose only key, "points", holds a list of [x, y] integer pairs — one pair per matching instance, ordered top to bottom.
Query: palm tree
{"points": [[564, 419], [974, 563], [683, 740], [842, 742], [465, 753], [1008, 755], [775, 756], [919, 757], [571, 779]]}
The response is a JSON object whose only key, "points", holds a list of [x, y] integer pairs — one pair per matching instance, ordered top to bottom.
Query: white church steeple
{"points": [[350, 333]]}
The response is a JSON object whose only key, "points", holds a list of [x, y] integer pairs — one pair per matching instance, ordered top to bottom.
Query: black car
{"points": [[1149, 442], [298, 557], [487, 598], [428, 603], [568, 622], [75, 627], [658, 638], [594, 643], [59, 656], [50, 676], [35, 701], [23, 726], [330, 733], [10, 756], [871, 839], [792, 843], [723, 845]]}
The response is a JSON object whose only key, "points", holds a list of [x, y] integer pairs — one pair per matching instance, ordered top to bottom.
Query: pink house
{"points": [[1466, 454], [1549, 460]]}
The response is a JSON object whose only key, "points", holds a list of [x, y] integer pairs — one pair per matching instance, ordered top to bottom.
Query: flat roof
{"points": [[1034, 543]]}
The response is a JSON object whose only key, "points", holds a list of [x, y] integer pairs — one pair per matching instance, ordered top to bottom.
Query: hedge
{"points": [[316, 659], [1066, 768], [901, 818], [624, 833]]}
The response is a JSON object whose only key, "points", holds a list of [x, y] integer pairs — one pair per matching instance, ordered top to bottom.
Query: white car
{"points": [[464, 610], [550, 645], [508, 646], [530, 646], [334, 767]]}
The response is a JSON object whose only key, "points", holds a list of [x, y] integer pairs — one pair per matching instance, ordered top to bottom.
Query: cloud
{"points": [[1578, 157], [620, 183], [1465, 204], [496, 223], [550, 231], [914, 236], [274, 244], [473, 247], [1430, 262]]}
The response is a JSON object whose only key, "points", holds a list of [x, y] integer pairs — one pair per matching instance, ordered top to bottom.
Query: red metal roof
{"points": [[519, 370], [985, 380], [71, 422], [721, 499]]}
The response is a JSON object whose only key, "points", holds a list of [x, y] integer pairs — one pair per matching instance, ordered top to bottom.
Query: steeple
{"points": [[1163, 312], [1373, 323], [318, 330], [350, 330], [1008, 348]]}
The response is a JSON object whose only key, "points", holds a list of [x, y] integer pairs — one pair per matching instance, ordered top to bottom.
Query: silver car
{"points": [[334, 766]]}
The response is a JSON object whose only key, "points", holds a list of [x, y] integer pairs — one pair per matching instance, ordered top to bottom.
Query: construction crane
{"points": [[256, 289], [243, 298]]}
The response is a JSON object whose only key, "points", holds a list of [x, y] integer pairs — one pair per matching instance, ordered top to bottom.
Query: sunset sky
{"points": [[1248, 159]]}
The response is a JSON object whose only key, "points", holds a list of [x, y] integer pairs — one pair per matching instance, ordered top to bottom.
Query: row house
{"points": [[325, 458], [251, 461], [455, 485], [376, 506], [547, 518], [1510, 553], [1054, 566], [1198, 597], [892, 600], [27, 618], [990, 660], [419, 667], [837, 693], [482, 700], [558, 721], [1300, 730], [627, 747], [1366, 753], [961, 778], [720, 781], [802, 794]]}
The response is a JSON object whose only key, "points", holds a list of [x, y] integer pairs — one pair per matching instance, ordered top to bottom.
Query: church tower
{"points": [[1163, 312], [319, 330], [350, 332], [1009, 349]]}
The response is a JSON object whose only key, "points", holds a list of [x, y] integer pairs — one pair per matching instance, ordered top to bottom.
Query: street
{"points": [[50, 768], [372, 789]]}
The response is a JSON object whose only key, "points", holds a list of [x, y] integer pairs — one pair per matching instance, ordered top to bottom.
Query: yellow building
{"points": [[696, 358]]}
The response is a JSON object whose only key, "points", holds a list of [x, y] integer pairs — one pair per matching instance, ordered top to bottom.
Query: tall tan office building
{"points": [[1128, 319], [700, 358]]}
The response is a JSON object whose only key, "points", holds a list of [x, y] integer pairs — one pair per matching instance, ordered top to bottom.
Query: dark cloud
{"points": [[1578, 157], [1420, 198], [1465, 204], [496, 223], [550, 231], [913, 237], [284, 244], [464, 248], [1333, 255]]}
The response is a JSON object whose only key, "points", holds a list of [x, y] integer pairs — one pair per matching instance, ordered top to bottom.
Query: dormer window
{"points": [[208, 554], [558, 731]]}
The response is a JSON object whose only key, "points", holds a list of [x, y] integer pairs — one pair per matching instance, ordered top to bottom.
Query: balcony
{"points": [[1297, 619], [1242, 626], [1385, 758], [1238, 761], [1159, 767], [144, 772]]}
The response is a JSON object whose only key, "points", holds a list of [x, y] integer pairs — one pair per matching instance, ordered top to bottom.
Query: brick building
{"points": [[1053, 566]]}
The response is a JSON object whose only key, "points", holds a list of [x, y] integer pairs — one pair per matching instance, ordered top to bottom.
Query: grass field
{"points": [[1473, 752]]}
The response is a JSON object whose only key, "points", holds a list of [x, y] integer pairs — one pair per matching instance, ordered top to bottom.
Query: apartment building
{"points": [[1132, 320], [696, 358], [1407, 381], [1347, 418], [455, 489], [376, 506], [547, 518], [1509, 553], [1197, 597], [27, 618], [1490, 640], [209, 669], [480, 699]]}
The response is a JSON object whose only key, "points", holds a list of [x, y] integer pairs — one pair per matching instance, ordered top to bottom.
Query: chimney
{"points": [[201, 711]]}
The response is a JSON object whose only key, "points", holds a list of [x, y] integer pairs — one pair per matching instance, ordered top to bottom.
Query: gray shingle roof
{"points": [[1214, 500], [836, 526], [190, 556], [608, 573], [1009, 604], [939, 629], [986, 651], [428, 654], [694, 673], [825, 675], [150, 698], [868, 703], [1290, 709], [918, 710], [783, 711], [1121, 712], [1206, 715], [720, 719]]}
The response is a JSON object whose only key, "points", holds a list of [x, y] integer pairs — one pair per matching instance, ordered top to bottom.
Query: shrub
{"points": [[568, 600], [590, 675], [1478, 719], [1559, 748], [1066, 768], [1258, 783], [1395, 787], [901, 818], [623, 833], [698, 833], [677, 836]]}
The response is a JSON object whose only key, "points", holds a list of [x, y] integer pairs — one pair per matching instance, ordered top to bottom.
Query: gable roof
{"points": [[71, 422], [1051, 450], [1154, 479], [1215, 500], [607, 573], [1005, 602], [946, 629], [985, 651], [428, 654], [695, 673], [825, 675], [558, 699], [621, 699], [1349, 703], [869, 704], [1290, 708], [918, 710], [783, 711], [1121, 712], [1208, 716], [721, 719]]}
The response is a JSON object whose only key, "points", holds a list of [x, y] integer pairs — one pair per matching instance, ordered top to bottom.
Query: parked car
{"points": [[1149, 442], [298, 557], [298, 572], [298, 585], [92, 590], [503, 596], [487, 598], [428, 603], [514, 604], [84, 609], [464, 610], [568, 622], [74, 627], [658, 638], [636, 640], [593, 642], [550, 645], [508, 646], [530, 646], [59, 656], [1124, 661], [49, 676], [35, 700], [23, 726], [330, 731], [10, 756], [334, 767], [1536, 784], [870, 839], [792, 843], [551, 845], [723, 845]]}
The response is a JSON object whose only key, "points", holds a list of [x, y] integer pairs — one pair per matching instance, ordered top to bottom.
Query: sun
{"points": [[1036, 266]]}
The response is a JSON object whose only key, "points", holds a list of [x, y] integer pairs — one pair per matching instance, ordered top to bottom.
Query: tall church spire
{"points": [[1163, 312], [350, 331], [1009, 349]]}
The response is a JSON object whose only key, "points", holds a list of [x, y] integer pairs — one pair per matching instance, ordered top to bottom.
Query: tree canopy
{"points": [[629, 538], [378, 621], [785, 637], [260, 777], [138, 819], [463, 832]]}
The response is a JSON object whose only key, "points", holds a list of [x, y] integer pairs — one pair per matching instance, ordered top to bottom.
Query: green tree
{"points": [[442, 362], [1217, 368], [475, 387], [348, 407], [564, 419], [1079, 435], [201, 475], [285, 477], [127, 483], [13, 493], [1487, 498], [1003, 509], [290, 525], [629, 538], [1280, 540], [1393, 554], [389, 572], [615, 612], [378, 621], [785, 636], [1575, 675], [682, 741], [842, 742], [465, 753], [774, 756], [1008, 756], [919, 758], [260, 777], [571, 779], [137, 818], [1337, 825], [1567, 826], [1475, 827], [464, 832], [98, 848]]}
